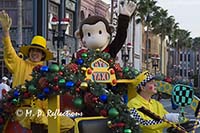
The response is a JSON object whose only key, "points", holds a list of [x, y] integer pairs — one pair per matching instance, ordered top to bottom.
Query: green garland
{"points": [[57, 80]]}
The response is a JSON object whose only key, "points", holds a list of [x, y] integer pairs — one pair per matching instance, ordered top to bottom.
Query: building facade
{"points": [[93, 7], [153, 49], [183, 63]]}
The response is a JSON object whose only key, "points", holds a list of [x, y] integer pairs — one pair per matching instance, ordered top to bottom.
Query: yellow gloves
{"points": [[5, 21]]}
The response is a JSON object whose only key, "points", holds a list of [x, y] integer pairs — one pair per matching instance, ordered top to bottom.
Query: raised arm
{"points": [[126, 11], [6, 22], [10, 56]]}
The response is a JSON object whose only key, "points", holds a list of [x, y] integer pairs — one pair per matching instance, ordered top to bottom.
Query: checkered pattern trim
{"points": [[147, 79], [136, 116]]}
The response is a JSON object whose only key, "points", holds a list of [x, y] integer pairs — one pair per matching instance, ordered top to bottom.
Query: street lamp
{"points": [[59, 28], [126, 53], [155, 59], [176, 68]]}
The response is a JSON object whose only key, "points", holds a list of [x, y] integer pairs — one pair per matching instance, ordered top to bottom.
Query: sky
{"points": [[185, 12]]}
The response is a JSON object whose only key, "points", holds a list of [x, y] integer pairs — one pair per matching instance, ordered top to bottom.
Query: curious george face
{"points": [[95, 36]]}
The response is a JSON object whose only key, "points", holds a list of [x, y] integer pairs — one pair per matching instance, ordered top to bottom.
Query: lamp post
{"points": [[59, 27], [126, 53], [155, 59], [176, 69]]}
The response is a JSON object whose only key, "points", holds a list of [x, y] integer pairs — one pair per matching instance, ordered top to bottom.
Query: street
{"points": [[189, 113]]}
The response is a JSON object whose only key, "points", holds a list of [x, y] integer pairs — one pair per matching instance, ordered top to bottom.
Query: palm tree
{"points": [[145, 12], [161, 26], [173, 34], [173, 37], [183, 41], [196, 42], [196, 47]]}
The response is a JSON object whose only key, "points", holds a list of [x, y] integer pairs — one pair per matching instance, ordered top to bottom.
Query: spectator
{"points": [[4, 86]]}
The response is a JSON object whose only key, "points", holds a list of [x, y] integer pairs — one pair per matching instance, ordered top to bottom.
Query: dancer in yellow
{"points": [[21, 70]]}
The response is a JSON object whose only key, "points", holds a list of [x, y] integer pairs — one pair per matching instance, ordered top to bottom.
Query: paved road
{"points": [[189, 113]]}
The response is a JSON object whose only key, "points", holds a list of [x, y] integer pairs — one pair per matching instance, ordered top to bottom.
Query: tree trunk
{"points": [[19, 22], [161, 46], [147, 47], [161, 59], [178, 60], [182, 63], [187, 63]]}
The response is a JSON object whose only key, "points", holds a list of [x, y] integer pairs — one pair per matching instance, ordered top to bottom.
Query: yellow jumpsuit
{"points": [[21, 71], [149, 125]]}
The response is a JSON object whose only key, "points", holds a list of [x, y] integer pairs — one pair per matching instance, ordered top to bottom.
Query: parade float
{"points": [[89, 75], [96, 82], [99, 87]]}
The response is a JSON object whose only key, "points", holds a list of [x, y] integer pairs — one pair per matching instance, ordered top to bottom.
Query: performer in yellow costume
{"points": [[21, 70], [146, 87]]}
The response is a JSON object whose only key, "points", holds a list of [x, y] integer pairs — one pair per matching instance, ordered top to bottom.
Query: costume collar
{"points": [[35, 63], [144, 101]]}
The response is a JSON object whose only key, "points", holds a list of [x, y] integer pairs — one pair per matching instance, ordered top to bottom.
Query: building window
{"points": [[6, 4], [71, 5], [53, 9], [27, 13], [70, 15], [82, 15], [149, 48], [143, 56], [185, 56], [181, 57], [188, 57], [181, 72], [185, 72]]}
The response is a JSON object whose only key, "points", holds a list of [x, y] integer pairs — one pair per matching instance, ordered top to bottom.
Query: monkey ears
{"points": [[112, 28], [77, 34]]}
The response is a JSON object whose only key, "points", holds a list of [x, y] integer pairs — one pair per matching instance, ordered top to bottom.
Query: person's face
{"points": [[35, 55], [150, 87]]}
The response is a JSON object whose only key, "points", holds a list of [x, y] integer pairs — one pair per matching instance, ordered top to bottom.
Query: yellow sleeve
{"points": [[10, 56], [43, 104], [161, 107], [26, 115], [66, 123], [147, 123], [162, 125]]}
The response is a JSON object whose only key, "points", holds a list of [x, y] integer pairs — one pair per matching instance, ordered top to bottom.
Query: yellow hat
{"points": [[38, 42], [142, 79]]}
